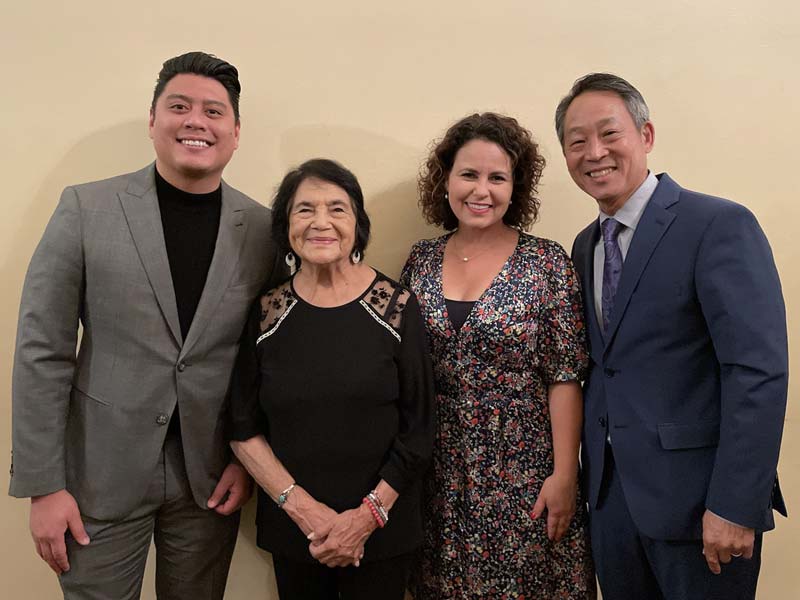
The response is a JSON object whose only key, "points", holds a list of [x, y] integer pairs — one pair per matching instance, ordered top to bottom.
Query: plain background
{"points": [[371, 84]]}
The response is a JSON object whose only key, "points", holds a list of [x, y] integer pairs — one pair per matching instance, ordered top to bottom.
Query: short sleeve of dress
{"points": [[408, 269], [561, 335], [245, 417], [412, 447]]}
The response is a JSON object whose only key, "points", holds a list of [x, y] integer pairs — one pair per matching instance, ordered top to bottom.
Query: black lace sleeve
{"points": [[388, 300], [275, 305]]}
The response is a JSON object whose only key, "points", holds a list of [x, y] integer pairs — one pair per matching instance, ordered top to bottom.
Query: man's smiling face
{"points": [[194, 132], [606, 153]]}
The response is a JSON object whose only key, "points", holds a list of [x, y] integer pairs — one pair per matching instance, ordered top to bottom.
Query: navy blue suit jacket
{"points": [[690, 379]]}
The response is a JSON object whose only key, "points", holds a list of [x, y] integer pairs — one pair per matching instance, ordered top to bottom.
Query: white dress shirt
{"points": [[629, 215]]}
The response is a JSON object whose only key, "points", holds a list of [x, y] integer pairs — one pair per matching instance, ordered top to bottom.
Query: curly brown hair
{"points": [[527, 164]]}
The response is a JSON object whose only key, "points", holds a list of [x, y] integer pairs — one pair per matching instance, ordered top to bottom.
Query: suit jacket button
{"points": [[181, 367], [609, 372], [162, 419], [602, 421]]}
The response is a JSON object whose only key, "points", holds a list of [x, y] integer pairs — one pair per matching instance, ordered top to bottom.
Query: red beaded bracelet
{"points": [[374, 512]]}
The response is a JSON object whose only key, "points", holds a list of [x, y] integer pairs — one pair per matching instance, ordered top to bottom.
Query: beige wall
{"points": [[371, 86]]}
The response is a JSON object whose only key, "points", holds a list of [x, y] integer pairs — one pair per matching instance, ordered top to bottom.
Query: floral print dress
{"points": [[494, 445]]}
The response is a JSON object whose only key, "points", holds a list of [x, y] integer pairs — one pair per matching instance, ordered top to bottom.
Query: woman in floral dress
{"points": [[503, 314]]}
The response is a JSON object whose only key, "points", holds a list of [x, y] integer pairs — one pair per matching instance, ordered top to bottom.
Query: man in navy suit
{"points": [[686, 394]]}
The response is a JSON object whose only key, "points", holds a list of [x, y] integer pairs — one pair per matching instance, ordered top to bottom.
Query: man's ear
{"points": [[151, 122], [648, 136]]}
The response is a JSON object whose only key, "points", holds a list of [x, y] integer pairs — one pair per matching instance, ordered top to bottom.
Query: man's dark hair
{"points": [[207, 65], [604, 82], [325, 170]]}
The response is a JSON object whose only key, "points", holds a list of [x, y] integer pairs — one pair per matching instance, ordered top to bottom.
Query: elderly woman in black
{"points": [[331, 401]]}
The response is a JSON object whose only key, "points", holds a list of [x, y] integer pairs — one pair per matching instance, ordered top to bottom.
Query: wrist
{"points": [[565, 474], [61, 492], [284, 495], [296, 502], [367, 517]]}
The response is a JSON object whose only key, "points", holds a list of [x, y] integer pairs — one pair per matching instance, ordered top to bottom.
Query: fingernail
{"points": [[310, 536]]}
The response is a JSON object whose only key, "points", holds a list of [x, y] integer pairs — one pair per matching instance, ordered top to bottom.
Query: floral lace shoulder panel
{"points": [[386, 301], [275, 306]]}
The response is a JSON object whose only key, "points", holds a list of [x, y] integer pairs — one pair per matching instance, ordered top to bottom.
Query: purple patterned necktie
{"points": [[612, 266]]}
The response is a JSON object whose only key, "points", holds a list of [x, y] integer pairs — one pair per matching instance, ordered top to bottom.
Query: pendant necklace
{"points": [[468, 258]]}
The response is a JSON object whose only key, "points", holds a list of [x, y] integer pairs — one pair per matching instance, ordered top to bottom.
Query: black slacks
{"points": [[384, 579]]}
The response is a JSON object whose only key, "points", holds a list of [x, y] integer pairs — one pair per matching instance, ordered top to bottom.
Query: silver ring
{"points": [[739, 555]]}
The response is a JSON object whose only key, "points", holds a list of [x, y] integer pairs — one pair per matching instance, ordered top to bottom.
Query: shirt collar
{"points": [[630, 212]]}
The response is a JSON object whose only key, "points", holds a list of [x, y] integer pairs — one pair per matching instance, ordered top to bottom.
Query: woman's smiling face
{"points": [[480, 184]]}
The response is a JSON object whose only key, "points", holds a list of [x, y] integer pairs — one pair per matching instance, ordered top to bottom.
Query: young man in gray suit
{"points": [[123, 441]]}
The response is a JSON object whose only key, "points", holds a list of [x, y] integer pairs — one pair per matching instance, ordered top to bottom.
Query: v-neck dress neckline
{"points": [[440, 297]]}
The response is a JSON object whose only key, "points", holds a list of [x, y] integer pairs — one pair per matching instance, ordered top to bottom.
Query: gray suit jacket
{"points": [[94, 422]]}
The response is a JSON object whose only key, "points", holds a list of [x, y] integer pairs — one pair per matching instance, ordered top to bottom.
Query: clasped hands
{"points": [[335, 539]]}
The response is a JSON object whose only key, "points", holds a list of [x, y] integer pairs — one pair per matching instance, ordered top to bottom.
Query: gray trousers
{"points": [[193, 546]]}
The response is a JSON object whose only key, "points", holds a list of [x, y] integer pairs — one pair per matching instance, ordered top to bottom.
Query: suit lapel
{"points": [[140, 205], [655, 221], [232, 229], [586, 267]]}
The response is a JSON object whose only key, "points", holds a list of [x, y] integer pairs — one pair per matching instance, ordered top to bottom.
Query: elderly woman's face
{"points": [[322, 223]]}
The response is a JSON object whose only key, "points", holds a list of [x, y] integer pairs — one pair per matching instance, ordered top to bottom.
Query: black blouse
{"points": [[458, 311], [344, 397]]}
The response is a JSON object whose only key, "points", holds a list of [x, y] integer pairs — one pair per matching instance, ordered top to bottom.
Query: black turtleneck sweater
{"points": [[191, 223]]}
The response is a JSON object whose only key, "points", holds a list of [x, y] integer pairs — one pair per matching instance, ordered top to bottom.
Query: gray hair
{"points": [[604, 82]]}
